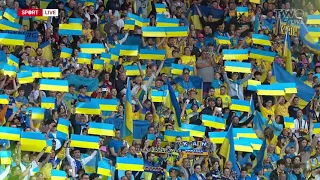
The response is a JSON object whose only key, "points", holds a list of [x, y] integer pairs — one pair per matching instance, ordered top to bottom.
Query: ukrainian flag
{"points": [[44, 3], [160, 7], [242, 11], [1, 14], [10, 14], [313, 19], [75, 20], [139, 21], [167, 22], [8, 25], [129, 25], [70, 29], [181, 31], [313, 31], [153, 32], [10, 39], [261, 39], [223, 40], [308, 40], [92, 48], [46, 50], [128, 50], [66, 52], [287, 52], [115, 53], [146, 54], [235, 54], [264, 55], [106, 57], [84, 58], [13, 60], [98, 64], [241, 67], [177, 69], [133, 70], [11, 71], [36, 72], [51, 72], [25, 77], [54, 85], [252, 85], [289, 88], [270, 90], [304, 92], [158, 96], [4, 99], [48, 102], [106, 104], [240, 105], [174, 106], [88, 108], [37, 113], [128, 116], [213, 121], [288, 122], [63, 128], [316, 128], [101, 129], [195, 130], [9, 133], [244, 133], [170, 136], [217, 137], [151, 138], [32, 141], [83, 141], [255, 143], [49, 146], [242, 146], [227, 150], [5, 157], [129, 164], [104, 169], [58, 175]]}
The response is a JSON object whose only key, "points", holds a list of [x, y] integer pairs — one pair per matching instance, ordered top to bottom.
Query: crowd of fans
{"points": [[290, 153]]}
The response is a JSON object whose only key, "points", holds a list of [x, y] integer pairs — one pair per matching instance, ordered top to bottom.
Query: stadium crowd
{"points": [[103, 91]]}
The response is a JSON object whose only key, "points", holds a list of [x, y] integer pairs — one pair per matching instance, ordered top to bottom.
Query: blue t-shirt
{"points": [[84, 97], [10, 111], [116, 144]]}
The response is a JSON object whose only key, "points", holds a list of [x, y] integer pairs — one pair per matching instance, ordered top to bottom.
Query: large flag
{"points": [[308, 40], [287, 52], [174, 106], [128, 116], [227, 150], [260, 157]]}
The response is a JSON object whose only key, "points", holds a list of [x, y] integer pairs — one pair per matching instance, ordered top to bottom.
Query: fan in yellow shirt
{"points": [[187, 58], [226, 99], [282, 106], [268, 110]]}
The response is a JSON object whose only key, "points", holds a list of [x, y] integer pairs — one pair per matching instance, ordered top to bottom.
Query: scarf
{"points": [[185, 85]]}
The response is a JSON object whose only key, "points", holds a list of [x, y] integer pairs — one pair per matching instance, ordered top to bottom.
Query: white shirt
{"points": [[299, 124]]}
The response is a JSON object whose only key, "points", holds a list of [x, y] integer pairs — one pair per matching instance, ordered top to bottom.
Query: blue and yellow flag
{"points": [[160, 7], [242, 11], [10, 14], [313, 19], [75, 20], [139, 21], [167, 22], [8, 25], [129, 25], [70, 29], [181, 31], [313, 31], [153, 32], [9, 39], [261, 39], [223, 40], [308, 40], [92, 48], [46, 50], [128, 50], [66, 52], [287, 52], [115, 53], [147, 54], [235, 54], [262, 55], [106, 57], [84, 58], [13, 60], [98, 64], [241, 67], [177, 69], [133, 70], [11, 71], [36, 72], [51, 72], [54, 85], [252, 85], [289, 88], [270, 90], [158, 96], [4, 99], [48, 102], [106, 104], [240, 105], [174, 107], [89, 108], [37, 113], [128, 116], [213, 121], [289, 122], [63, 128], [316, 128], [101, 129], [195, 130], [9, 133], [244, 133], [170, 136], [217, 137], [32, 141], [83, 141], [255, 143], [242, 146], [227, 150], [5, 157], [129, 164], [259, 165], [104, 169], [58, 175]]}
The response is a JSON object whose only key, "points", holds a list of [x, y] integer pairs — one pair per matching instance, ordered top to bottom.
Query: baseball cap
{"points": [[186, 71], [82, 86]]}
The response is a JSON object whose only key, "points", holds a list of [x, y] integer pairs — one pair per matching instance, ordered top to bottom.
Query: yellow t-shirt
{"points": [[88, 34], [168, 51], [187, 59], [308, 83], [226, 100], [282, 110], [265, 112], [274, 141]]}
